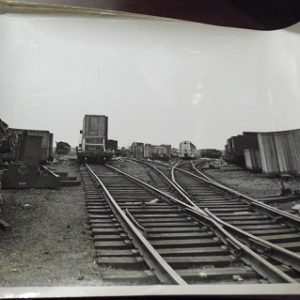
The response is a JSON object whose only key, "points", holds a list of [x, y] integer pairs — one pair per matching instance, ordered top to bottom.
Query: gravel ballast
{"points": [[49, 244]]}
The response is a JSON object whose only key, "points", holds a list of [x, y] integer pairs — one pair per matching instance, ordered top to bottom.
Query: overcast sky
{"points": [[158, 81]]}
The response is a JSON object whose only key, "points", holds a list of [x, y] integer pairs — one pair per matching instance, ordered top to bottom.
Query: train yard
{"points": [[141, 156], [150, 216], [148, 223], [192, 244]]}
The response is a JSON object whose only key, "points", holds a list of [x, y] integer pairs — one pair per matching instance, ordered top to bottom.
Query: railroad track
{"points": [[159, 176], [240, 210], [277, 231], [144, 235], [116, 240], [272, 251]]}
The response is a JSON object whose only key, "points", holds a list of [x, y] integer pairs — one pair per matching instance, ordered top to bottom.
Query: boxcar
{"points": [[27, 144], [93, 146], [280, 151]]}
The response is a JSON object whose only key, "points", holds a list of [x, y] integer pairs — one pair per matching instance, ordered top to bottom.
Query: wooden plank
{"points": [[95, 206], [224, 209], [148, 210], [99, 211], [103, 216], [152, 216], [246, 217], [162, 220], [100, 221], [250, 222], [173, 224], [104, 225], [253, 227], [178, 229], [107, 230], [260, 232], [179, 234], [107, 237], [281, 237], [183, 243], [112, 245], [293, 246], [194, 250], [118, 252], [201, 260], [121, 262], [215, 273], [125, 276]]}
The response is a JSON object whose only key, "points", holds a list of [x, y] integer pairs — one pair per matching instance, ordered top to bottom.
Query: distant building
{"points": [[112, 146], [168, 149], [137, 150], [141, 150], [148, 150], [174, 152], [211, 153]]}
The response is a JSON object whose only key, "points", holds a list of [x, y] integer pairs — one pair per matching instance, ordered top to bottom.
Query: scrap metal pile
{"points": [[7, 139], [272, 153], [21, 154]]}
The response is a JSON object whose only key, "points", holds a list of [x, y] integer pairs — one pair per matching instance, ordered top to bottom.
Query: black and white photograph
{"points": [[147, 154]]}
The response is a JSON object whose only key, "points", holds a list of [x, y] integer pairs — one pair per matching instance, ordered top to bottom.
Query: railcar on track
{"points": [[94, 147], [187, 150]]}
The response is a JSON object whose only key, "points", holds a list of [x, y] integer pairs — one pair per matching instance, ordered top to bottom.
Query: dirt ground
{"points": [[133, 168], [254, 184], [49, 244]]}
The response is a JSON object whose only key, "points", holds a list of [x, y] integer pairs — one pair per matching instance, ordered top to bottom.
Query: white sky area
{"points": [[158, 81]]}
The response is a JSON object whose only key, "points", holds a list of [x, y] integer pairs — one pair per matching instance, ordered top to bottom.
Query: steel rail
{"points": [[49, 171], [201, 173], [174, 179], [172, 184], [153, 189], [179, 189], [271, 199], [267, 208], [136, 223], [281, 254], [257, 262], [262, 266], [160, 267]]}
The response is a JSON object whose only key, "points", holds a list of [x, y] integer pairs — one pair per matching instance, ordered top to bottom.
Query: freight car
{"points": [[33, 146], [93, 146], [112, 146], [236, 147], [62, 148], [137, 150], [187, 150], [161, 152], [174, 152], [280, 152], [211, 153], [273, 153]]}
